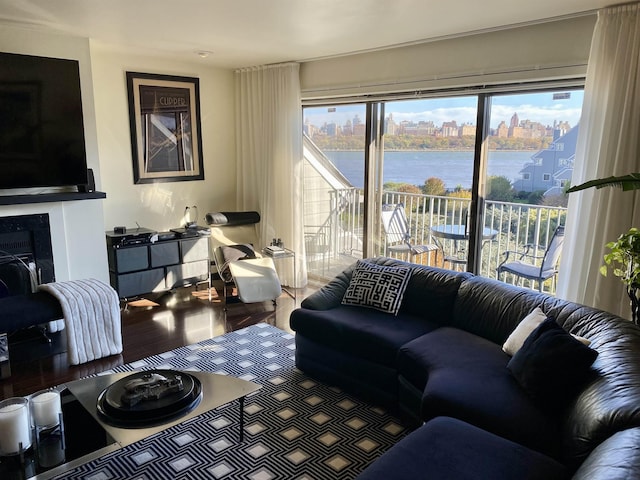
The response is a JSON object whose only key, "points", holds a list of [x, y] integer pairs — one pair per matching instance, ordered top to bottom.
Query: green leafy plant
{"points": [[626, 182], [624, 255], [624, 260]]}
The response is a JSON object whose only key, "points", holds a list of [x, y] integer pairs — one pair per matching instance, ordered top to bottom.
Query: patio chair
{"points": [[397, 235], [525, 265]]}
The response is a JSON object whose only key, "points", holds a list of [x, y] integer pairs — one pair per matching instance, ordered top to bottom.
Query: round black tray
{"points": [[115, 411]]}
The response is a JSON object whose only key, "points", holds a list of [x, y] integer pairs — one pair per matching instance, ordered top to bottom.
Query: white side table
{"points": [[287, 253]]}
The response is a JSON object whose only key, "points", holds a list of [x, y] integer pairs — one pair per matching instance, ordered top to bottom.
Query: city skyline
{"points": [[535, 107]]}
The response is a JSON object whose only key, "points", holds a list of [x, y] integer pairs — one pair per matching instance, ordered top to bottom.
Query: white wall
{"points": [[551, 50], [160, 206], [77, 227]]}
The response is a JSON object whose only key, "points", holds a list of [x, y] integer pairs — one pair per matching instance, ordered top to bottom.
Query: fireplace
{"points": [[26, 254]]}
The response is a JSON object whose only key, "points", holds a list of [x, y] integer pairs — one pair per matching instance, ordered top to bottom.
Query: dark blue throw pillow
{"points": [[551, 366]]}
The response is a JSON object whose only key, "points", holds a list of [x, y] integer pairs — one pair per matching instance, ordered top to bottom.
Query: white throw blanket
{"points": [[92, 315]]}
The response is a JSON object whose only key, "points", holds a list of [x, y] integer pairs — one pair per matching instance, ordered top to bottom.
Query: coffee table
{"points": [[217, 390]]}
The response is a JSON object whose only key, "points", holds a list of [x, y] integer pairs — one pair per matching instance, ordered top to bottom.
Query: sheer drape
{"points": [[608, 144], [269, 152]]}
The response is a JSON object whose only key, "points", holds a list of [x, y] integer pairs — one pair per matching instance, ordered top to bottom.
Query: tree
{"points": [[434, 186], [402, 187], [408, 188], [500, 189], [460, 193], [534, 198], [558, 200]]}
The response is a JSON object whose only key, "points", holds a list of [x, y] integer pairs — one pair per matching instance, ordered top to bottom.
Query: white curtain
{"points": [[608, 144], [269, 152]]}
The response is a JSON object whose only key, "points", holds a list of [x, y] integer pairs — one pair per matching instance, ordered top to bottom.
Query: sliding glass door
{"points": [[530, 160], [428, 165], [334, 181], [450, 181]]}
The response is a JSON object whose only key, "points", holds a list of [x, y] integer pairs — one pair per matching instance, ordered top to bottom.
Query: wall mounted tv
{"points": [[41, 125]]}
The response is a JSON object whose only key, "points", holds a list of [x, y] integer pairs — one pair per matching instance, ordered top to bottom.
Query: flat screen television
{"points": [[41, 125]]}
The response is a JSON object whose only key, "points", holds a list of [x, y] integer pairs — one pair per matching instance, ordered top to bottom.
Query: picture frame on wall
{"points": [[164, 118]]}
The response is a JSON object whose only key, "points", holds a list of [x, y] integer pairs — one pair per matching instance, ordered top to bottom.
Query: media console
{"points": [[145, 267]]}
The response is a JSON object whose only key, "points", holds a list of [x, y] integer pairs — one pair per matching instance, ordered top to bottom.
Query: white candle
{"points": [[46, 408], [14, 427]]}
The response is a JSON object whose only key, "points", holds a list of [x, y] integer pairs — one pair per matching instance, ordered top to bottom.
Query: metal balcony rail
{"points": [[517, 225]]}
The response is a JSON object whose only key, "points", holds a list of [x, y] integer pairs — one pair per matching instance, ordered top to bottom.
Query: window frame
{"points": [[485, 94]]}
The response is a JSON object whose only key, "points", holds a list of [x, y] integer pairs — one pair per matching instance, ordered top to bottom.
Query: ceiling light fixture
{"points": [[203, 53]]}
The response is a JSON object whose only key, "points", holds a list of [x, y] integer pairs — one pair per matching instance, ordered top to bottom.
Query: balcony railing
{"points": [[516, 226]]}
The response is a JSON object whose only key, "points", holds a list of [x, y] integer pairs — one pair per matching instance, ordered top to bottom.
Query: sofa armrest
{"points": [[330, 295], [22, 311], [616, 458]]}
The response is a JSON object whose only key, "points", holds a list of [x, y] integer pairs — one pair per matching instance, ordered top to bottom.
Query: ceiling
{"points": [[241, 33]]}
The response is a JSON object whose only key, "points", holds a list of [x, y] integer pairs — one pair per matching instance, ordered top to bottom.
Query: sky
{"points": [[537, 107]]}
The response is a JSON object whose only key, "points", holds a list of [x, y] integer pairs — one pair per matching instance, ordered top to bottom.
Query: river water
{"points": [[455, 168]]}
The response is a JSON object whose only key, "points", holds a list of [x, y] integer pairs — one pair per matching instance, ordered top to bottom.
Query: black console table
{"points": [[156, 266]]}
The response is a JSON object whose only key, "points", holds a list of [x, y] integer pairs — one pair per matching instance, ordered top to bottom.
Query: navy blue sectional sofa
{"points": [[440, 365]]}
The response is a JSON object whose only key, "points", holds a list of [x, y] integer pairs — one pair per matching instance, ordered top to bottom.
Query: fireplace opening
{"points": [[26, 254], [18, 275]]}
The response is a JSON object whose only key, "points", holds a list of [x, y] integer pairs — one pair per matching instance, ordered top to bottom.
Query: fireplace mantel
{"points": [[49, 197], [77, 230]]}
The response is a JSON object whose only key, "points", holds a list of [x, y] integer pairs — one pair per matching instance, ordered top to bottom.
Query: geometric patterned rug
{"points": [[295, 427]]}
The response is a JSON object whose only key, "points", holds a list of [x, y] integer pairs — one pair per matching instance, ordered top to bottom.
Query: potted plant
{"points": [[624, 255], [624, 260]]}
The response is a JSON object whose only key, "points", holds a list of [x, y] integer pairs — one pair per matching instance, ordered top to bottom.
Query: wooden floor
{"points": [[181, 318]]}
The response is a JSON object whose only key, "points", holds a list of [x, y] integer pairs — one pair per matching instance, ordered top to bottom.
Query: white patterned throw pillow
{"points": [[377, 286]]}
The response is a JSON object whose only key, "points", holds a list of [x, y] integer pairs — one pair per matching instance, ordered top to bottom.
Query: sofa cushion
{"points": [[377, 286], [431, 292], [493, 309], [363, 332], [552, 365], [465, 376], [446, 448]]}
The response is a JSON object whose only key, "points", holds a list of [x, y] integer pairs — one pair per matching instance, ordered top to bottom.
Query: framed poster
{"points": [[164, 117]]}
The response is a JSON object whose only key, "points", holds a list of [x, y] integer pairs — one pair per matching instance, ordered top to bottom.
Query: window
{"points": [[428, 155], [334, 179]]}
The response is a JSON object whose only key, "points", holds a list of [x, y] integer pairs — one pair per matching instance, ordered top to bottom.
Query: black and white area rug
{"points": [[295, 427]]}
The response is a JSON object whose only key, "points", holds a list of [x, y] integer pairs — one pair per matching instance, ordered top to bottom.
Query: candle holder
{"points": [[46, 408], [46, 412], [15, 426], [50, 445]]}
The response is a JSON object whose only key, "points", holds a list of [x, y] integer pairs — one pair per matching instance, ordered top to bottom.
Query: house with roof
{"points": [[550, 169]]}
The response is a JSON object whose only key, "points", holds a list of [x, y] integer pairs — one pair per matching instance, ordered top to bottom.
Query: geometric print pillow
{"points": [[377, 286]]}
